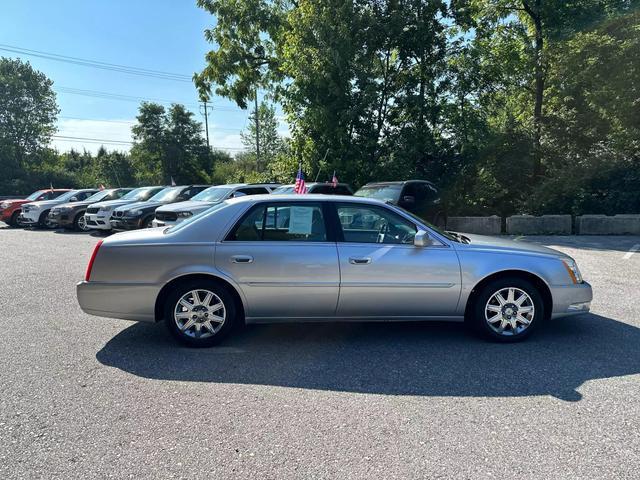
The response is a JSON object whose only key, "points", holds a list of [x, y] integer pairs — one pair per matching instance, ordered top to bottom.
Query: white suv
{"points": [[176, 212], [36, 213], [98, 215]]}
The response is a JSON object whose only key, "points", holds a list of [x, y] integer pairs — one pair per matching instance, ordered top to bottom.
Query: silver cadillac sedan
{"points": [[312, 258]]}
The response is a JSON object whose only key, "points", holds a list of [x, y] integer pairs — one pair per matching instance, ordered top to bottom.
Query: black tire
{"points": [[42, 220], [13, 221], [147, 222], [479, 323], [189, 336]]}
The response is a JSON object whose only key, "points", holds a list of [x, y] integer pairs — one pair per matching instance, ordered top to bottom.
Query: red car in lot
{"points": [[10, 209]]}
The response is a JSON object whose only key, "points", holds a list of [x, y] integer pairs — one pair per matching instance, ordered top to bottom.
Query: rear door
{"points": [[282, 256], [383, 275]]}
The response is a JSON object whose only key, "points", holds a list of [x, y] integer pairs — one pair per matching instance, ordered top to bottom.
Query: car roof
{"points": [[397, 182], [313, 184], [307, 197]]}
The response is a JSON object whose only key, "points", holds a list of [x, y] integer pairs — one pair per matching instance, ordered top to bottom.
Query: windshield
{"points": [[283, 189], [139, 193], [386, 193], [166, 194], [213, 194], [35, 195], [66, 196], [96, 197], [190, 220], [430, 225]]}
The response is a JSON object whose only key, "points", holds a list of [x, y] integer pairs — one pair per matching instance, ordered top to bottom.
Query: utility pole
{"points": [[257, 120], [206, 121]]}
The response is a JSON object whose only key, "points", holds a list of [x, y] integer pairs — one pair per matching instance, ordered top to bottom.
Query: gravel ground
{"points": [[87, 397]]}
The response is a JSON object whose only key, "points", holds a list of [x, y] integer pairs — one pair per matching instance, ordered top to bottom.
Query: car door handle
{"points": [[242, 259], [359, 260]]}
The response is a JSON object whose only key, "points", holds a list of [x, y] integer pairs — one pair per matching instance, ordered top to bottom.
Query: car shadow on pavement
{"points": [[390, 358]]}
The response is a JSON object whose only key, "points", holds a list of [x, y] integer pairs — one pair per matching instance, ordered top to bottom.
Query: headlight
{"points": [[4, 205], [106, 209], [134, 213], [184, 214], [573, 270]]}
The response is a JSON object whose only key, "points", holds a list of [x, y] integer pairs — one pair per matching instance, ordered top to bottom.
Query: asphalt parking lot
{"points": [[87, 397]]}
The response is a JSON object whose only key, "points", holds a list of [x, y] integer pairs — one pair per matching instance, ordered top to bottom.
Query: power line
{"points": [[98, 64], [132, 98], [133, 122], [70, 138]]}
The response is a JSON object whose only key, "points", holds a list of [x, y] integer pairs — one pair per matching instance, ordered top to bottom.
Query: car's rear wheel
{"points": [[80, 223], [507, 310], [199, 313]]}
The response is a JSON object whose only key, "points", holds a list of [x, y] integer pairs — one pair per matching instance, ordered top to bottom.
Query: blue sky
{"points": [[165, 35]]}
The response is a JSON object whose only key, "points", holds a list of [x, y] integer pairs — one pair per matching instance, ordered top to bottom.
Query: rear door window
{"points": [[282, 222]]}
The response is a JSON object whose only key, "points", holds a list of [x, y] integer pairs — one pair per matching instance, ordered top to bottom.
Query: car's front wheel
{"points": [[44, 221], [80, 223], [507, 310], [199, 313]]}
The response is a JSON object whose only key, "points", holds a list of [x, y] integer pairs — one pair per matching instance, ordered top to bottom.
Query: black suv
{"points": [[420, 197]]}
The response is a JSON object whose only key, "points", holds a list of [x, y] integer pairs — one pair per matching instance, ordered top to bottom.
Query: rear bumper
{"points": [[571, 299], [118, 300]]}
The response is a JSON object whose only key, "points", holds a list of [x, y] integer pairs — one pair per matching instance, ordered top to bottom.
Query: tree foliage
{"points": [[480, 96]]}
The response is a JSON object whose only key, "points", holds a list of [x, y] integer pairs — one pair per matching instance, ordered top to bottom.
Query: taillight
{"points": [[87, 275]]}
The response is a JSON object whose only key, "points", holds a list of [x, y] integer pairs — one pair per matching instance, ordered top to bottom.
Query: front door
{"points": [[280, 256], [383, 275]]}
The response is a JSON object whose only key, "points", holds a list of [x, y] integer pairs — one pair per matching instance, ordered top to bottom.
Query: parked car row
{"points": [[121, 209]]}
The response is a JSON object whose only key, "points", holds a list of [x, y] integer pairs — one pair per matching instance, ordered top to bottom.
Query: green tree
{"points": [[28, 112], [264, 136], [169, 144]]}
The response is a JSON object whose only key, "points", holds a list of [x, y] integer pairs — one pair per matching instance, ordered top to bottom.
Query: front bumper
{"points": [[29, 218], [61, 219], [97, 221], [126, 223], [571, 299], [118, 300]]}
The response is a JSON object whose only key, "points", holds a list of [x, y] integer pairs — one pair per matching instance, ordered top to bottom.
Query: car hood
{"points": [[13, 201], [45, 203], [112, 203], [73, 205], [140, 205], [188, 206], [500, 244]]}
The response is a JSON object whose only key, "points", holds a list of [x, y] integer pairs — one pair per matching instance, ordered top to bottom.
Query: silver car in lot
{"points": [[310, 258]]}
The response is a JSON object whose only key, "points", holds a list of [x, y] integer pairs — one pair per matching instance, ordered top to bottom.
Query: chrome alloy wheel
{"points": [[82, 224], [509, 311], [199, 314]]}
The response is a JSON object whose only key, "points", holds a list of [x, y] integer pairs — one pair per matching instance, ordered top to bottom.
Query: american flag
{"points": [[334, 180], [300, 186]]}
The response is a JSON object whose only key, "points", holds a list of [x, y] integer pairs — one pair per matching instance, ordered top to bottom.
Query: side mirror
{"points": [[238, 195], [73, 199], [408, 199], [421, 239]]}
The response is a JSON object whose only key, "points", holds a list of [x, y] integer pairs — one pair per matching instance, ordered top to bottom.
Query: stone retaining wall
{"points": [[482, 225], [543, 225], [608, 225]]}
